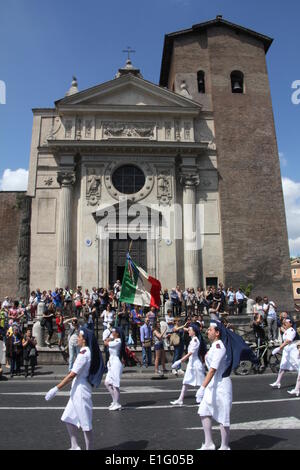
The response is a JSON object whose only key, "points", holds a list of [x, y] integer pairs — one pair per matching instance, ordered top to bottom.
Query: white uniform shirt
{"points": [[289, 334], [193, 347], [114, 348], [216, 359], [82, 365]]}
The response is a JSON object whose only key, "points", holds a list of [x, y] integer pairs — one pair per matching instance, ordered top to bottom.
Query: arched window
{"points": [[201, 81], [237, 82]]}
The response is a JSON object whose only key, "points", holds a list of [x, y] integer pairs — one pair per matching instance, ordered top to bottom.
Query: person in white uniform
{"points": [[116, 345], [290, 354], [195, 371], [86, 372], [296, 390], [215, 394]]}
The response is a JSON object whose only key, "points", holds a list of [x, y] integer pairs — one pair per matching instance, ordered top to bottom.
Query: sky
{"points": [[43, 43]]}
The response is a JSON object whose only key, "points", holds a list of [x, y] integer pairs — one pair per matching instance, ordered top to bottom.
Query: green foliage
{"points": [[247, 290]]}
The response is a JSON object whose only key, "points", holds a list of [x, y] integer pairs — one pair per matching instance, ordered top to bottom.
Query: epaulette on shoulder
{"points": [[218, 346], [83, 352]]}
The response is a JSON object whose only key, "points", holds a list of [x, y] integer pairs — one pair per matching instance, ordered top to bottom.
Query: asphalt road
{"points": [[262, 418]]}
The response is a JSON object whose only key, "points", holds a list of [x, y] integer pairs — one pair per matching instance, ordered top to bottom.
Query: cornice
{"points": [[130, 109], [121, 146]]}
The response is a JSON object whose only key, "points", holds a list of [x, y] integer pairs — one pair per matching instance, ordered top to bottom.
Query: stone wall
{"points": [[14, 244]]}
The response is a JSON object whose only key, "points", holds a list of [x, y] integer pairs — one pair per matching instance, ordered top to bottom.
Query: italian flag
{"points": [[138, 288]]}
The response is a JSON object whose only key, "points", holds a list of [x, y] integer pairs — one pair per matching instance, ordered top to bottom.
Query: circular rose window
{"points": [[128, 179]]}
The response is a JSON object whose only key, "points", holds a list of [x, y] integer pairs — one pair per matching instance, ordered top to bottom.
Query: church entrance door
{"points": [[118, 249]]}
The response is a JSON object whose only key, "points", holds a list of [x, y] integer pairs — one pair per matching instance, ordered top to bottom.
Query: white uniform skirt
{"points": [[290, 358], [114, 373], [194, 374], [217, 401], [79, 409]]}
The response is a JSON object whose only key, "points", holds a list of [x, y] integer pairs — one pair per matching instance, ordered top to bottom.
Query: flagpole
{"points": [[130, 246]]}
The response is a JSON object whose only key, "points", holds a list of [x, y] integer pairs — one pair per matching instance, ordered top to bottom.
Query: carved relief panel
{"points": [[133, 130], [93, 186], [164, 186]]}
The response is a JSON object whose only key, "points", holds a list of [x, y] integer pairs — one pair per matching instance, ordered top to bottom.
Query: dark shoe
{"points": [[26, 375], [11, 376]]}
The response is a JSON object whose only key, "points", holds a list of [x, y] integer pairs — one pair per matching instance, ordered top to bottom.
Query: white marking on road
{"points": [[126, 391], [158, 407], [277, 423]]}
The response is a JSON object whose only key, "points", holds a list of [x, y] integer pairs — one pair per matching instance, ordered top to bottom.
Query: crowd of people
{"points": [[100, 310], [177, 328]]}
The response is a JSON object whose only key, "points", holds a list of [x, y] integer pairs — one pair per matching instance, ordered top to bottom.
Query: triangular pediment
{"points": [[128, 90]]}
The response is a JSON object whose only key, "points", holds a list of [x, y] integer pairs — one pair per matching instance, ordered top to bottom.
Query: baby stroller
{"points": [[131, 359]]}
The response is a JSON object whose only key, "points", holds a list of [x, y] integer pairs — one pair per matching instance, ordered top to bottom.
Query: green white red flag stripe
{"points": [[138, 287]]}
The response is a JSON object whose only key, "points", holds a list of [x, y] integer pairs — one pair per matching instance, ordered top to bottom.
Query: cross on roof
{"points": [[128, 51]]}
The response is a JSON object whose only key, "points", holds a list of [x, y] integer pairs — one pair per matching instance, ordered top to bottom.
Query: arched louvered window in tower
{"points": [[201, 81], [237, 81]]}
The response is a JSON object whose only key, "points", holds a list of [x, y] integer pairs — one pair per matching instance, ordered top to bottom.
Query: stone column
{"points": [[191, 253], [64, 258]]}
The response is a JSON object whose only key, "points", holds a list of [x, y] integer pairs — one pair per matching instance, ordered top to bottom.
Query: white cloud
{"points": [[14, 180], [291, 191]]}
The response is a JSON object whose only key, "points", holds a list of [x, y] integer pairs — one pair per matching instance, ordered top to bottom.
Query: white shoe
{"points": [[174, 372], [180, 372], [275, 385], [294, 392], [176, 402], [111, 405], [115, 407], [210, 447], [75, 448], [224, 448]]}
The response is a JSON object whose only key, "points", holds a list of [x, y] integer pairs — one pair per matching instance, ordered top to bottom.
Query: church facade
{"points": [[185, 173]]}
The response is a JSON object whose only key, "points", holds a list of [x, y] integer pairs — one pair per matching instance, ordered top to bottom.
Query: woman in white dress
{"points": [[116, 345], [290, 354], [195, 371], [86, 372], [296, 390], [215, 394]]}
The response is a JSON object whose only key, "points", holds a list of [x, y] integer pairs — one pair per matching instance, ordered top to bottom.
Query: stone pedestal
{"points": [[64, 261], [37, 330]]}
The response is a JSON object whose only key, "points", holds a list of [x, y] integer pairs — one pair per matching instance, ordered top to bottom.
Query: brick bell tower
{"points": [[224, 67]]}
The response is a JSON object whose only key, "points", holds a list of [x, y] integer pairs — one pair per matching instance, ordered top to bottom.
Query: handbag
{"points": [[174, 339], [147, 343], [32, 352]]}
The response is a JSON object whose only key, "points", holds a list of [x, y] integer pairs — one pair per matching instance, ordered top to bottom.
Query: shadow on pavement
{"points": [[140, 403], [256, 442], [129, 445]]}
